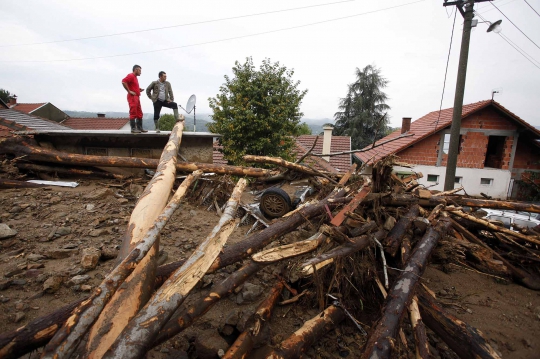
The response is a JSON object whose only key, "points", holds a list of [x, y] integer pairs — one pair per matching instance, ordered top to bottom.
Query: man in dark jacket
{"points": [[161, 94]]}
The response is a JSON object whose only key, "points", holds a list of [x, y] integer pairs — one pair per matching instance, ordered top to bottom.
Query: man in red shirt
{"points": [[131, 84]]}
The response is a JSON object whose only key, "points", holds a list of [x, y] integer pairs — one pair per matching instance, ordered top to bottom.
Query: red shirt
{"points": [[132, 83]]}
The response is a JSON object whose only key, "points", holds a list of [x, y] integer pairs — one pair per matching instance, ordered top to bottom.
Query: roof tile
{"points": [[95, 123]]}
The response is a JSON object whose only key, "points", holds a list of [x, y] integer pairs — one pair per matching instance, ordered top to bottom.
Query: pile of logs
{"points": [[364, 228]]}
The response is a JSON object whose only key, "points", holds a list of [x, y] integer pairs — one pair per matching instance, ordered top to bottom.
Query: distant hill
{"points": [[316, 124]]}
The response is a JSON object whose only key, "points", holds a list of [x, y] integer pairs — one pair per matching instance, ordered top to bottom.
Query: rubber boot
{"points": [[175, 111], [139, 125], [157, 126], [134, 128]]}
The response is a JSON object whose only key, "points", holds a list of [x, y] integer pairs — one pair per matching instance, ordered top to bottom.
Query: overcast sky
{"points": [[407, 39]]}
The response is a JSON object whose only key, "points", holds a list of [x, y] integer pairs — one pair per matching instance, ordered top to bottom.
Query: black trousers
{"points": [[159, 104]]}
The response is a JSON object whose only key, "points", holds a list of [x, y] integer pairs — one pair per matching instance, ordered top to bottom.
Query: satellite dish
{"points": [[191, 103]]}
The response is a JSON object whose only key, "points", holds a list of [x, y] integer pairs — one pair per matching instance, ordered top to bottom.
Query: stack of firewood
{"points": [[375, 231]]}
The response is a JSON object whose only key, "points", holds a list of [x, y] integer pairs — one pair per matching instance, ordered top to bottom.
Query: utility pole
{"points": [[465, 7]]}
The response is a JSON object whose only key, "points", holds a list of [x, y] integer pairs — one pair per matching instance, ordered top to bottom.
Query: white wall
{"points": [[470, 179]]}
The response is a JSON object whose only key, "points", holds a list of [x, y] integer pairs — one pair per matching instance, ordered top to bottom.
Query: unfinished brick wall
{"points": [[488, 119], [424, 152], [527, 154]]}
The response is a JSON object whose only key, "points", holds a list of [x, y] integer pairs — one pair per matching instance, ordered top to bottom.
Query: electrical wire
{"points": [[500, 5], [532, 8], [180, 25], [515, 25], [215, 41], [514, 45], [446, 71]]}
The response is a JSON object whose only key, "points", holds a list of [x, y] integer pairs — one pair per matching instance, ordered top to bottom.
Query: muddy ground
{"points": [[54, 226]]}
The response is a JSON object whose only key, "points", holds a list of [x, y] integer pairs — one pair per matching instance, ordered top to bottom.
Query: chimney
{"points": [[13, 100], [100, 115], [405, 124], [327, 141]]}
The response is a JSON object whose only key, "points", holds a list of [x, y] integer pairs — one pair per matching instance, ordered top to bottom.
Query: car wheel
{"points": [[275, 203]]}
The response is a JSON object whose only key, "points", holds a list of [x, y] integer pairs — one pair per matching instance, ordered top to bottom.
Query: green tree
{"points": [[4, 95], [257, 111], [361, 112], [166, 122], [303, 129]]}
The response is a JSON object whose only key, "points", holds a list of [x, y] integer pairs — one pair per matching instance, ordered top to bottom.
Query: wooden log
{"points": [[27, 147], [286, 164], [67, 170], [9, 183], [351, 206], [493, 227], [392, 242], [346, 249], [405, 249], [288, 250], [519, 275], [138, 286], [419, 330], [141, 331], [308, 334], [252, 336], [68, 337], [465, 340], [379, 344]]}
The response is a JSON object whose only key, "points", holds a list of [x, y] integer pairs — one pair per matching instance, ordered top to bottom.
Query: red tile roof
{"points": [[27, 107], [28, 122], [96, 123], [428, 125], [341, 163]]}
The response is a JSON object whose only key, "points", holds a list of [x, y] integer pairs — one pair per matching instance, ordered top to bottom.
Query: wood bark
{"points": [[26, 147], [286, 164], [67, 170], [392, 242], [138, 286], [419, 330], [141, 331], [308, 334], [252, 336], [68, 337], [465, 340], [379, 344]]}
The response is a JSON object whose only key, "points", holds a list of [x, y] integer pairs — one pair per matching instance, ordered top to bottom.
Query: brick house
{"points": [[44, 109], [97, 123], [325, 144], [497, 148]]}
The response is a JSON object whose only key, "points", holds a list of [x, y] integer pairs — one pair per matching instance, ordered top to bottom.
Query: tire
{"points": [[275, 203]]}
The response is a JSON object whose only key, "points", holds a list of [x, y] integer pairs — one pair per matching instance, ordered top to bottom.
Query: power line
{"points": [[501, 5], [532, 8], [180, 25], [514, 25], [216, 41], [515, 46], [446, 71]]}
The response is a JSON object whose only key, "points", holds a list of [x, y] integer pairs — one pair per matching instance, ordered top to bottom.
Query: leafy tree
{"points": [[5, 95], [257, 111], [361, 112], [166, 122], [303, 129]]}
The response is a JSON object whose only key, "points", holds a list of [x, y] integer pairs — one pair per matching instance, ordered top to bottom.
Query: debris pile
{"points": [[369, 239]]}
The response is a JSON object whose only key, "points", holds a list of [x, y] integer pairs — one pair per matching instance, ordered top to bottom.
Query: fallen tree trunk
{"points": [[19, 146], [286, 164], [67, 170], [392, 242], [138, 286], [419, 330], [141, 331], [308, 334], [252, 336], [68, 337], [466, 341], [379, 344]]}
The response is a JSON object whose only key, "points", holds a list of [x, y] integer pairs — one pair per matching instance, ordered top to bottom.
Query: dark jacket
{"points": [[152, 91]]}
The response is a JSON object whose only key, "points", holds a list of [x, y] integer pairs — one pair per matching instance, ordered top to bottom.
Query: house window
{"points": [[446, 144], [96, 151], [141, 152], [495, 152], [433, 178], [458, 180], [486, 181]]}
